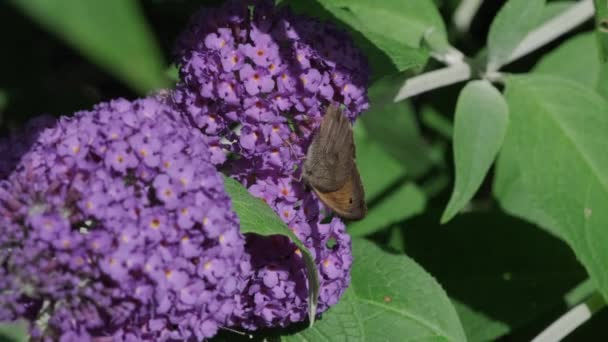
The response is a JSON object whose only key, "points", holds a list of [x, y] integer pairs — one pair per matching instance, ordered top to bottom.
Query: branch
{"points": [[464, 14], [554, 28], [460, 71], [434, 79], [571, 320]]}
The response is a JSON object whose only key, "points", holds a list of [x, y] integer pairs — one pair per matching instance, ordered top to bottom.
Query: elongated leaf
{"points": [[514, 20], [395, 27], [112, 33], [559, 62], [433, 119], [480, 125], [394, 128], [371, 158], [554, 162], [389, 196], [405, 201], [258, 218], [390, 298]]}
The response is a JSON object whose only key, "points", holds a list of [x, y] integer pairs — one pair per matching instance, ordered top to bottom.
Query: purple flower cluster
{"points": [[256, 81], [116, 226]]}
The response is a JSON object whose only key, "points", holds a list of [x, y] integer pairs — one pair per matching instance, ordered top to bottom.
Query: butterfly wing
{"points": [[329, 158], [349, 201]]}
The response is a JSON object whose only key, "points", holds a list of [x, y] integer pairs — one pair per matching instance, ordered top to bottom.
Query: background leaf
{"points": [[553, 9], [514, 20], [395, 27], [112, 33], [559, 62], [602, 84], [433, 119], [481, 121], [394, 128], [371, 157], [553, 163], [389, 195], [402, 202], [257, 217], [502, 273], [390, 298]]}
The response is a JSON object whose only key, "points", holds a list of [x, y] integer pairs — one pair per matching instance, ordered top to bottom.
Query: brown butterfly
{"points": [[330, 167]]}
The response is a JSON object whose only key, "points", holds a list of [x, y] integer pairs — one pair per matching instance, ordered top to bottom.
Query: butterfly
{"points": [[330, 169]]}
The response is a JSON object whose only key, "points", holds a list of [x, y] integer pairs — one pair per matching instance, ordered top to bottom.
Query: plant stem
{"points": [[464, 14], [554, 28], [461, 71], [433, 79], [571, 320]]}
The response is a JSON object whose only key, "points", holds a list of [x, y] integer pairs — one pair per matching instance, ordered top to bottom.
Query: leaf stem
{"points": [[464, 14], [554, 28], [459, 70], [434, 79], [571, 320]]}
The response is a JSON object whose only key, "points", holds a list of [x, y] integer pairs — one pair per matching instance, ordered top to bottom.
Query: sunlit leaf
{"points": [[390, 298]]}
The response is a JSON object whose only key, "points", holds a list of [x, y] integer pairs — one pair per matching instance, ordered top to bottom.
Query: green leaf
{"points": [[553, 9], [514, 20], [601, 21], [395, 27], [112, 33], [559, 62], [602, 84], [434, 120], [481, 121], [394, 128], [371, 157], [554, 162], [385, 190], [511, 191], [405, 201], [257, 217], [502, 273], [579, 293], [390, 298], [479, 326], [14, 332]]}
